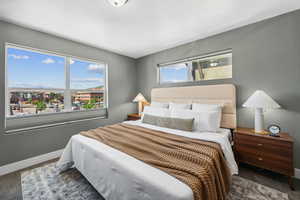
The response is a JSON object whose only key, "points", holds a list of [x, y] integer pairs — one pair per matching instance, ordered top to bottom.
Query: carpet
{"points": [[47, 183]]}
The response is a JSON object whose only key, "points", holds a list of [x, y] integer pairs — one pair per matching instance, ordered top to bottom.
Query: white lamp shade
{"points": [[139, 98], [261, 100]]}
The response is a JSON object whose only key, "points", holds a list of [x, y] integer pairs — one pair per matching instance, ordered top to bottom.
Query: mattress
{"points": [[116, 175]]}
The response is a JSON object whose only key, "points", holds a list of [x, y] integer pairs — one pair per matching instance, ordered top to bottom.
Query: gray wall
{"points": [[266, 56], [121, 85]]}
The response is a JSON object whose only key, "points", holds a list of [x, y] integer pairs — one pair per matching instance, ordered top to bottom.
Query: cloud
{"points": [[14, 56], [48, 61], [72, 61], [177, 67], [96, 68], [88, 80], [170, 80], [85, 83], [28, 85]]}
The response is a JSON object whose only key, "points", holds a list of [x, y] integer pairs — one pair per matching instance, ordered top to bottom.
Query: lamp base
{"points": [[140, 108], [259, 120]]}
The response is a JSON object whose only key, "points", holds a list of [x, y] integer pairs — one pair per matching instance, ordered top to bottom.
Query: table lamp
{"points": [[141, 100], [260, 101]]}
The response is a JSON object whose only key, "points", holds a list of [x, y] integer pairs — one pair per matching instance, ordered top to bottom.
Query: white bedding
{"points": [[116, 175]]}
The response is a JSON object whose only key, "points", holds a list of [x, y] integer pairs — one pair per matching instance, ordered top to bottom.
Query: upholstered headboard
{"points": [[210, 94]]}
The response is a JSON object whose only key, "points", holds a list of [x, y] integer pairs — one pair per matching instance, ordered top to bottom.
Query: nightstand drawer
{"points": [[256, 141], [265, 147], [280, 156], [265, 162]]}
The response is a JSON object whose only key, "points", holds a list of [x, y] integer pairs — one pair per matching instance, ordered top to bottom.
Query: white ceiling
{"points": [[141, 27]]}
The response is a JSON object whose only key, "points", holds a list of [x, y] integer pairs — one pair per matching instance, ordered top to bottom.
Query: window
{"points": [[209, 67], [174, 73], [41, 83], [87, 84]]}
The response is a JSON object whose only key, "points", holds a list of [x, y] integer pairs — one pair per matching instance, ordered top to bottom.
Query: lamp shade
{"points": [[139, 98], [260, 99]]}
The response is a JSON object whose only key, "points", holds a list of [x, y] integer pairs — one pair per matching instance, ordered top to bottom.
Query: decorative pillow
{"points": [[159, 104], [180, 106], [198, 107], [160, 112], [203, 121], [168, 122]]}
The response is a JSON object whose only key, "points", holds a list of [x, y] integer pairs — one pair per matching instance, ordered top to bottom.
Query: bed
{"points": [[117, 175]]}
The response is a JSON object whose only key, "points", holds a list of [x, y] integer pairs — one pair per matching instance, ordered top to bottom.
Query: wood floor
{"points": [[10, 185]]}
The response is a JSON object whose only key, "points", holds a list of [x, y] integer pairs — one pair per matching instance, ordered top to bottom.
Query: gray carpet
{"points": [[46, 183]]}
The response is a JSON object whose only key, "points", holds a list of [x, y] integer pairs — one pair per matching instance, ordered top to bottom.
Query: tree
{"points": [[52, 95], [40, 105], [90, 105]]}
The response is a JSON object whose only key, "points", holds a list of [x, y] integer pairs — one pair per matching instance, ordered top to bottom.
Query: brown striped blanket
{"points": [[199, 164]]}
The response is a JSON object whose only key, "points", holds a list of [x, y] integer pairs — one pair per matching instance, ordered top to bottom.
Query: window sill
{"points": [[50, 114], [47, 120], [12, 131]]}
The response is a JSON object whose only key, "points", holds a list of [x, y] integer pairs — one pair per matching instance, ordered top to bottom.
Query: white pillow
{"points": [[159, 104], [180, 106], [198, 107], [206, 107], [160, 112], [203, 121]]}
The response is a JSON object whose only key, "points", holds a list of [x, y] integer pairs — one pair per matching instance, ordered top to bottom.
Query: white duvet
{"points": [[118, 176]]}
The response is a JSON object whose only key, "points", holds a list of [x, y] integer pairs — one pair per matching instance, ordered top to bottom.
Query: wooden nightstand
{"points": [[134, 116], [264, 151]]}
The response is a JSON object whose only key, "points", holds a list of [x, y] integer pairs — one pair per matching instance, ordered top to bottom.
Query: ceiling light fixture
{"points": [[117, 3]]}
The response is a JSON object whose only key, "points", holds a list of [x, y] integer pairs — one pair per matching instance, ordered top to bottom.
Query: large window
{"points": [[207, 67], [41, 83]]}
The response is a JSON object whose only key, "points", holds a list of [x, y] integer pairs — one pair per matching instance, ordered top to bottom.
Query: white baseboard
{"points": [[12, 167], [297, 173]]}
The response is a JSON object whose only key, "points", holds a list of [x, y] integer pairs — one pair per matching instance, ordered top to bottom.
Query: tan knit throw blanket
{"points": [[199, 164]]}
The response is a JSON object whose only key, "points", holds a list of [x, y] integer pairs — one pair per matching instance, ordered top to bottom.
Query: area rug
{"points": [[46, 183]]}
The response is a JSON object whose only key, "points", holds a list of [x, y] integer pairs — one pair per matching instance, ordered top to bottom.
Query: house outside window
{"points": [[206, 67]]}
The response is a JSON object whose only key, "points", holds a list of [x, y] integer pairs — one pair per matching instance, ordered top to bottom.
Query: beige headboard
{"points": [[211, 94]]}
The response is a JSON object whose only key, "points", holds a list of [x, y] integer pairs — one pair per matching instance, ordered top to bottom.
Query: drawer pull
{"points": [[259, 145], [260, 159]]}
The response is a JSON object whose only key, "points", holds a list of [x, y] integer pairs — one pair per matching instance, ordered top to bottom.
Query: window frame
{"points": [[204, 56], [67, 88]]}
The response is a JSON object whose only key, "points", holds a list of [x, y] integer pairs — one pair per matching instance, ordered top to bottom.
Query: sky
{"points": [[28, 69], [174, 73]]}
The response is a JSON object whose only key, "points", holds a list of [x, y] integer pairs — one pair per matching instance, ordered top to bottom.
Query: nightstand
{"points": [[134, 116], [264, 151]]}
